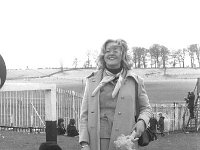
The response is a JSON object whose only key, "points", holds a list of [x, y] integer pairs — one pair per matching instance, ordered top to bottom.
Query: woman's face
{"points": [[113, 55]]}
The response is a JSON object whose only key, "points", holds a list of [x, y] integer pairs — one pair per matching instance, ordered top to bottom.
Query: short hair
{"points": [[125, 57], [60, 120], [72, 121], [49, 146]]}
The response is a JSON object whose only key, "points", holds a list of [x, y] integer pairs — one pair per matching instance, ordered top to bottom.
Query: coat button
{"points": [[119, 113]]}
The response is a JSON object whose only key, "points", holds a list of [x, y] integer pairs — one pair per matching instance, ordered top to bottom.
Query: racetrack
{"points": [[169, 88], [159, 91], [164, 91]]}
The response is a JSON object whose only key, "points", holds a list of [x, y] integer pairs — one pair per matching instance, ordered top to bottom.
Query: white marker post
{"points": [[50, 115]]}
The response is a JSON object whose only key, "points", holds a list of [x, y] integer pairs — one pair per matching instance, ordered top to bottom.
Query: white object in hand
{"points": [[126, 142]]}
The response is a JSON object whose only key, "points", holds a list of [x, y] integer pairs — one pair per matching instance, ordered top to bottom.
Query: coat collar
{"points": [[130, 73], [97, 76]]}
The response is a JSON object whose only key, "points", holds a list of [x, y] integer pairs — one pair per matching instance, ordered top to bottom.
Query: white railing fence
{"points": [[23, 105]]}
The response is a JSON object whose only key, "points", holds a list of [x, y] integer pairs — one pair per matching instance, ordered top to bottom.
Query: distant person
{"points": [[191, 98], [161, 124], [153, 126], [71, 128], [61, 129], [49, 146]]}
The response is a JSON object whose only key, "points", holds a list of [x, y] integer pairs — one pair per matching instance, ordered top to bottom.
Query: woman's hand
{"points": [[139, 128], [133, 138], [85, 146]]}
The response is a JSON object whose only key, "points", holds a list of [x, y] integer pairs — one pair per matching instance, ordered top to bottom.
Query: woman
{"points": [[108, 106]]}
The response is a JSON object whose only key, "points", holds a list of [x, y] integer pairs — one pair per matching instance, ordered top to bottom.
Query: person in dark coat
{"points": [[191, 98], [161, 124], [153, 126], [71, 128], [61, 129]]}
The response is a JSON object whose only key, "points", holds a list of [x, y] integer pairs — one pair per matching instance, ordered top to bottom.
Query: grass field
{"points": [[168, 88], [160, 91], [10, 140]]}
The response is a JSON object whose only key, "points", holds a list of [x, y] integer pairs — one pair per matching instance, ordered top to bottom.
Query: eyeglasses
{"points": [[114, 49]]}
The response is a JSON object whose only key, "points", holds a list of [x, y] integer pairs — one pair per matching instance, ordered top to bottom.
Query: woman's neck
{"points": [[114, 71]]}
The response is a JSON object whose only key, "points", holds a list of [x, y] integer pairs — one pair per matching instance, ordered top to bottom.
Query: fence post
{"points": [[73, 104], [50, 115]]}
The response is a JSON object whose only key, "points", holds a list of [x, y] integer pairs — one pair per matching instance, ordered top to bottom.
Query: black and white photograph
{"points": [[99, 75]]}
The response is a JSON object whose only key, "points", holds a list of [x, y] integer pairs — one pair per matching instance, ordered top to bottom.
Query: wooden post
{"points": [[50, 115]]}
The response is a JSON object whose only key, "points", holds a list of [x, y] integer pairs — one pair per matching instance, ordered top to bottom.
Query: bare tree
{"points": [[192, 49], [154, 51], [144, 52], [164, 52], [198, 54], [95, 55], [180, 55], [134, 56], [139, 56], [174, 59], [88, 62], [75, 63], [61, 65]]}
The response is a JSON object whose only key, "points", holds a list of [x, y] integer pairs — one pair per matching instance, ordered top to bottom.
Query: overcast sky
{"points": [[42, 33]]}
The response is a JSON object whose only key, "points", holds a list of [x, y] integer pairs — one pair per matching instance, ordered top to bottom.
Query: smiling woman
{"points": [[114, 51], [113, 55], [108, 106]]}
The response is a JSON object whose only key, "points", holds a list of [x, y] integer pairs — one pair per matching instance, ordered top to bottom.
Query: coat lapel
{"points": [[95, 80], [94, 104]]}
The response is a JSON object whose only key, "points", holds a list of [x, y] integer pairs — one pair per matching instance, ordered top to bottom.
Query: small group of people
{"points": [[157, 125], [71, 130]]}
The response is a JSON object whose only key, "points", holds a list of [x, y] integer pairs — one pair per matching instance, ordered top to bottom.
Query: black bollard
{"points": [[51, 131]]}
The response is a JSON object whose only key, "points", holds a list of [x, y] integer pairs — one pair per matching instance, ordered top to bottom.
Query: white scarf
{"points": [[109, 77]]}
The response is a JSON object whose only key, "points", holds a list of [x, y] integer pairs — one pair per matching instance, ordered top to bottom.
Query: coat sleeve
{"points": [[145, 110], [83, 124]]}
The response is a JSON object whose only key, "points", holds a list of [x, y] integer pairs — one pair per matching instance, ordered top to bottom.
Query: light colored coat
{"points": [[124, 118]]}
